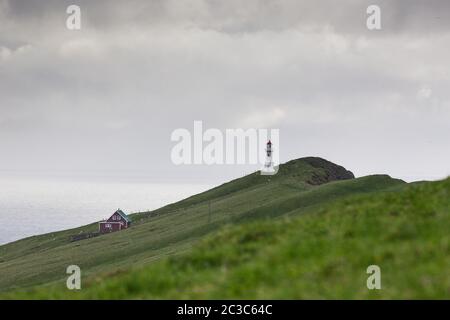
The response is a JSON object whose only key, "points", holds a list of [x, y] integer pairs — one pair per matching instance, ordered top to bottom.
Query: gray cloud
{"points": [[235, 16], [106, 98]]}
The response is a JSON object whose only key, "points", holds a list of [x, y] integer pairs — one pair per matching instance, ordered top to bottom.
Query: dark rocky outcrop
{"points": [[330, 171]]}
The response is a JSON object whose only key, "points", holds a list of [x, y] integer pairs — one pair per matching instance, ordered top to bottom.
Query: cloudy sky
{"points": [[105, 99]]}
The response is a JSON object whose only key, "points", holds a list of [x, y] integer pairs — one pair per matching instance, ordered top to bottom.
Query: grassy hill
{"points": [[256, 230]]}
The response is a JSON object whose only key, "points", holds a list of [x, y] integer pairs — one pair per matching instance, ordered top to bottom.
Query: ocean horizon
{"points": [[30, 207]]}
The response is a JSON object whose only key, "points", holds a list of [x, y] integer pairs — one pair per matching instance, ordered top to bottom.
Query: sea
{"points": [[36, 206]]}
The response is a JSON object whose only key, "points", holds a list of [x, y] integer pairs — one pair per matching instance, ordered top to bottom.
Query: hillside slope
{"points": [[300, 185], [321, 254]]}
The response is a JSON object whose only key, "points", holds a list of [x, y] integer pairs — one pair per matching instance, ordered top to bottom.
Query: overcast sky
{"points": [[104, 100]]}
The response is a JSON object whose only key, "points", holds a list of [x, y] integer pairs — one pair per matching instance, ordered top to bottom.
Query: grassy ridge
{"points": [[173, 229], [322, 253]]}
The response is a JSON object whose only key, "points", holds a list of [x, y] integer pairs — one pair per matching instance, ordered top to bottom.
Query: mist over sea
{"points": [[35, 206]]}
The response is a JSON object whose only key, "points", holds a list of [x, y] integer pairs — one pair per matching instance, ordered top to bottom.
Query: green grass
{"points": [[270, 212], [322, 253]]}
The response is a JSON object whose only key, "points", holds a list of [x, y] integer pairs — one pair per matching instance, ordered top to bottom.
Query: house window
{"points": [[108, 225]]}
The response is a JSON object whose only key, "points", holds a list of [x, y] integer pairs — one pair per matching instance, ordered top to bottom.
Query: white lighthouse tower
{"points": [[268, 168]]}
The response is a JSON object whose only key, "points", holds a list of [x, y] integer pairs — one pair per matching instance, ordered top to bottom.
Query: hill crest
{"points": [[329, 171]]}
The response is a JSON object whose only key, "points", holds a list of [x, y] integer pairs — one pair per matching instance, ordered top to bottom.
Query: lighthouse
{"points": [[268, 155], [268, 168]]}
